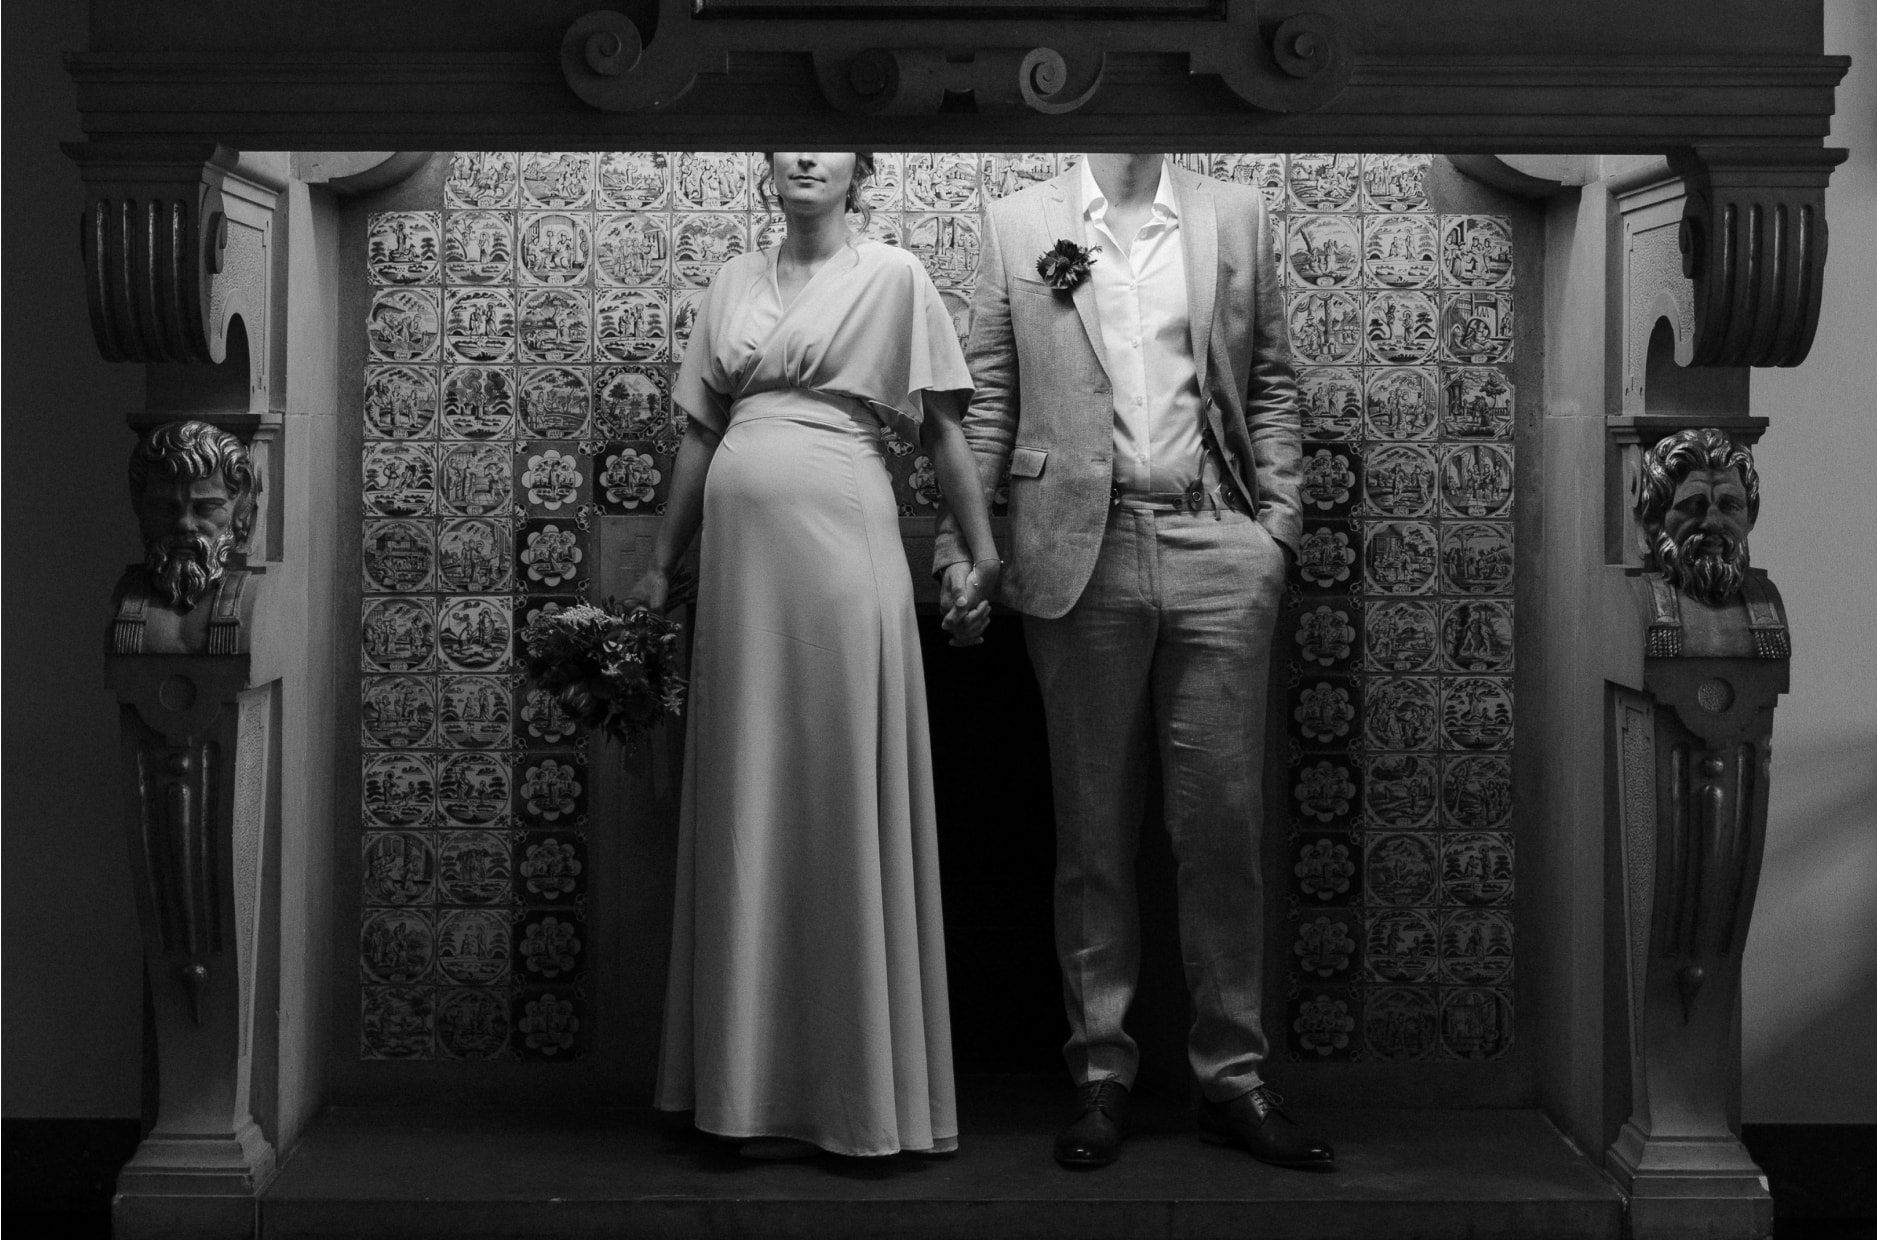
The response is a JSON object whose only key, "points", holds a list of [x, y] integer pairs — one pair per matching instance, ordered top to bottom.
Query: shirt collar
{"points": [[1095, 203]]}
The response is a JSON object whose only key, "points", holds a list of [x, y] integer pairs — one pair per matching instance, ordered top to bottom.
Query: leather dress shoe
{"points": [[1254, 1123], [1093, 1138]]}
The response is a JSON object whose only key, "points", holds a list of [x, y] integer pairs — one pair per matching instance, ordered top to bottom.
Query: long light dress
{"points": [[807, 989]]}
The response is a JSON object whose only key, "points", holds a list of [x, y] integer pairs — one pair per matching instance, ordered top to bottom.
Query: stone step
{"points": [[423, 1173]]}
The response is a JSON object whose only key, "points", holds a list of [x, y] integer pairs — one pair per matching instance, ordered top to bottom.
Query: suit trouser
{"points": [[1169, 645]]}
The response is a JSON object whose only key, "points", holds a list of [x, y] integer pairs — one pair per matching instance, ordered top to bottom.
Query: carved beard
{"points": [[183, 566], [1711, 577]]}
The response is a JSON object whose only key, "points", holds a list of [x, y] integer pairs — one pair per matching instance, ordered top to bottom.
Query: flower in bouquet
{"points": [[610, 669]]}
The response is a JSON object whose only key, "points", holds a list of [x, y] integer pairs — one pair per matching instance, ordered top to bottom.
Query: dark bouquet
{"points": [[1065, 265], [611, 670]]}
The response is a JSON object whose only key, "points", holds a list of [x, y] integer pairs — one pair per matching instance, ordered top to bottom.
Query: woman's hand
{"points": [[650, 592], [966, 596]]}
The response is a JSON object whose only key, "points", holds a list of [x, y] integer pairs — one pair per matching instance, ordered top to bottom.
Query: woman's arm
{"points": [[942, 434], [684, 512]]}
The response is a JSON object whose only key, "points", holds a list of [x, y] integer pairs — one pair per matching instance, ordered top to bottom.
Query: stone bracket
{"points": [[865, 66]]}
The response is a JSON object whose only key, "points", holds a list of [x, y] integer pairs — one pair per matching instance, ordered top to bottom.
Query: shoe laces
{"points": [[1102, 1095]]}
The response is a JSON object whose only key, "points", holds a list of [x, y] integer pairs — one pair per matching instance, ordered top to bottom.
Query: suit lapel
{"points": [[1062, 220], [1199, 239]]}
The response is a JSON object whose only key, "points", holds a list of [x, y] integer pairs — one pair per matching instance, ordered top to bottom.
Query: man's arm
{"points": [[1272, 418]]}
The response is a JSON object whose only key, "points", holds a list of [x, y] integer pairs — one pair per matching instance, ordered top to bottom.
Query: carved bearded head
{"points": [[195, 492], [1700, 498]]}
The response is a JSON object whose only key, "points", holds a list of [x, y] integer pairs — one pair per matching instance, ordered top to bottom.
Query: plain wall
{"points": [[1809, 1017]]}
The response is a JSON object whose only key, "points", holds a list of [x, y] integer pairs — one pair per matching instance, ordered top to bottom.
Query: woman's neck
{"points": [[814, 238]]}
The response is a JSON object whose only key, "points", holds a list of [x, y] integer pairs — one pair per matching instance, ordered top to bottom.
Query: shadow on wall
{"points": [[1811, 959]]}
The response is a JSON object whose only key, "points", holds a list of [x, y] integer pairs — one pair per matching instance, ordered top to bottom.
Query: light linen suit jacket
{"points": [[1044, 403]]}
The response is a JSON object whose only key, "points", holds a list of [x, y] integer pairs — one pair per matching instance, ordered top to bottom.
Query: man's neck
{"points": [[1127, 181]]}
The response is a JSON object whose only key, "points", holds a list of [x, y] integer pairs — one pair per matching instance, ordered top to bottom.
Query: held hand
{"points": [[650, 591], [970, 612]]}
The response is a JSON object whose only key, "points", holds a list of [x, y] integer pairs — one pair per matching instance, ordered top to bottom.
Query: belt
{"points": [[1195, 498]]}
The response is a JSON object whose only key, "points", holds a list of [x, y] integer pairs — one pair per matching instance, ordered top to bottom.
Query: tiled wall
{"points": [[522, 337]]}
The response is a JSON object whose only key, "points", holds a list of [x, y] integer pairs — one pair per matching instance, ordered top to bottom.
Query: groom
{"points": [[1133, 374]]}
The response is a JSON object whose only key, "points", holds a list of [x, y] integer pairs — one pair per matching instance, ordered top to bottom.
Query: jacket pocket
{"points": [[1027, 462]]}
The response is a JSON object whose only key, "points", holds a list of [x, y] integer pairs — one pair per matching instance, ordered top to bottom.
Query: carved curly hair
{"points": [[191, 451], [1672, 457]]}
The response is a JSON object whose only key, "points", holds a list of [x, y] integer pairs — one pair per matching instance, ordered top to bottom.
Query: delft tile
{"points": [[1265, 173], [1003, 175], [481, 179], [557, 179], [633, 181], [713, 181], [941, 181], [1322, 182], [1395, 183], [885, 192], [881, 227], [768, 229], [703, 242], [947, 246], [402, 247], [479, 247], [556, 248], [632, 250], [1323, 251], [1400, 251], [1476, 251], [684, 305], [958, 308], [479, 324], [404, 325], [556, 325], [631, 325], [1325, 327], [1402, 327], [1476, 328], [1331, 399], [555, 401], [630, 401], [400, 402], [478, 402], [1402, 403], [1476, 403], [630, 478], [400, 479], [475, 479], [552, 479], [1330, 480], [1400, 480], [1476, 481], [922, 485], [473, 555], [551, 555], [1329, 556], [399, 557], [1399, 557], [1476, 557], [524, 612], [473, 633], [1326, 633], [399, 634], [1400, 636], [1476, 636], [1326, 711], [398, 712], [475, 712], [1403, 712], [1476, 712], [543, 720], [473, 789], [399, 790], [550, 790], [1401, 791], [1476, 791], [1326, 792], [550, 868], [1475, 868], [400, 869], [1399, 869], [1326, 871], [397, 946], [474, 946], [1400, 946], [550, 947], [1326, 947], [1475, 948], [397, 1022], [473, 1022], [1401, 1022], [1475, 1023], [548, 1024], [1320, 1024]]}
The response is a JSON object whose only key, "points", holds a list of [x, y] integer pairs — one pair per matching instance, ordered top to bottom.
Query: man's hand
{"points": [[965, 596]]}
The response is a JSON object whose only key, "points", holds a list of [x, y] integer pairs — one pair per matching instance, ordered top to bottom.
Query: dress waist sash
{"points": [[804, 405]]}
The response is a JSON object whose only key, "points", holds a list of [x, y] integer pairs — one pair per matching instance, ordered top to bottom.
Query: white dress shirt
{"points": [[1141, 304]]}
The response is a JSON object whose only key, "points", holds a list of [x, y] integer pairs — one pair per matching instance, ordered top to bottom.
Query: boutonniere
{"points": [[1065, 265]]}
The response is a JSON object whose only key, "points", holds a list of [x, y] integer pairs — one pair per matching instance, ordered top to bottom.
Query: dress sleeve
{"points": [[932, 359], [702, 387]]}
